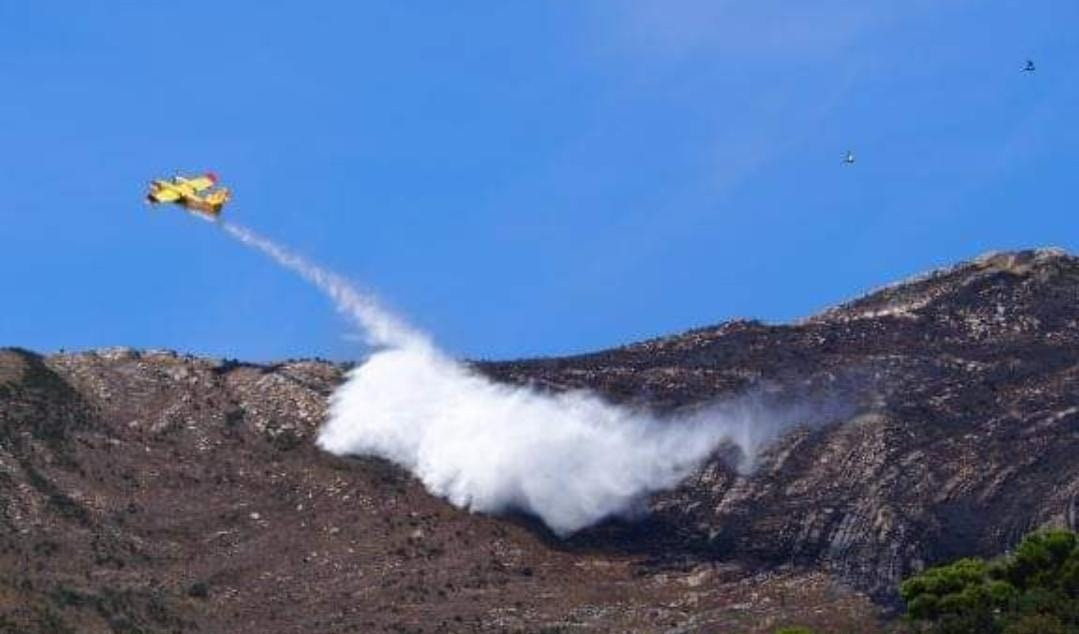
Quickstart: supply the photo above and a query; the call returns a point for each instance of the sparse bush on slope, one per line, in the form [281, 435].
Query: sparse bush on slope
[1033, 589]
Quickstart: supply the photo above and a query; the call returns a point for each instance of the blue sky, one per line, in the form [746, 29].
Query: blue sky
[526, 178]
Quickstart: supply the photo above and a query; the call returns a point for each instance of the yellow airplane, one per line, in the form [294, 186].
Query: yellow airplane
[185, 192]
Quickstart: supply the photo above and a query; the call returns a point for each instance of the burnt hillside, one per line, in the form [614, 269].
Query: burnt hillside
[962, 434]
[149, 491]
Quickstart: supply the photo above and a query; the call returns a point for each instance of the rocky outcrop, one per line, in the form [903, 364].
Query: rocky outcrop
[962, 432]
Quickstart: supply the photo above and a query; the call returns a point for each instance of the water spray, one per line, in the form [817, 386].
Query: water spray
[572, 459]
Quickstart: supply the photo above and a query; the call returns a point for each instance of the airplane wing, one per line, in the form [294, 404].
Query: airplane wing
[165, 195]
[205, 181]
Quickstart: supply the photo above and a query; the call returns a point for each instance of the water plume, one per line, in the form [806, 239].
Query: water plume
[571, 459]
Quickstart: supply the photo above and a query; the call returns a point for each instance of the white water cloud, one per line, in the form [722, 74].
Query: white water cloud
[571, 459]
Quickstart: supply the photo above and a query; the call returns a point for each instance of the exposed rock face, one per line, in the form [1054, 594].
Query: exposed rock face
[155, 492]
[964, 431]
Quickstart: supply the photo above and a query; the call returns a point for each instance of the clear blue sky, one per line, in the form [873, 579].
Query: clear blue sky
[519, 178]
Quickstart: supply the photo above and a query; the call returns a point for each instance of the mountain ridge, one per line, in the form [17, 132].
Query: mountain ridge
[144, 489]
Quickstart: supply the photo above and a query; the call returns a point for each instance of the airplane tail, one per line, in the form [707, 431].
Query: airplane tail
[219, 197]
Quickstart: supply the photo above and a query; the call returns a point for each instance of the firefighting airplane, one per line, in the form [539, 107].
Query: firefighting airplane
[186, 193]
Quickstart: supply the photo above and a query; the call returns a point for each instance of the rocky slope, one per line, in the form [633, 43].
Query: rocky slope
[156, 492]
[962, 431]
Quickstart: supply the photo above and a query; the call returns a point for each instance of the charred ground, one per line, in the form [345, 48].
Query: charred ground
[147, 491]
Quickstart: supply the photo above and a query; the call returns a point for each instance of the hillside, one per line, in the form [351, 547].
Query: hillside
[149, 491]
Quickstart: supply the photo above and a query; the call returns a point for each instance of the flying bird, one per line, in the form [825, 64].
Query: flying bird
[1029, 67]
[849, 158]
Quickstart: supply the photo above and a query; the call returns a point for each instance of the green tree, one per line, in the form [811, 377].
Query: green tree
[1036, 624]
[1033, 589]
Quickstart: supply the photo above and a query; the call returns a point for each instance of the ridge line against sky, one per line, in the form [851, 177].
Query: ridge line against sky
[519, 180]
